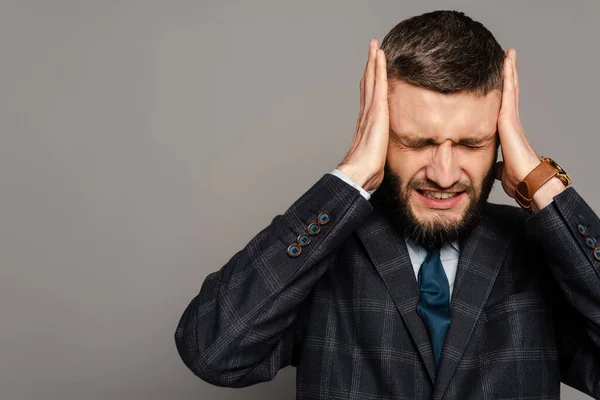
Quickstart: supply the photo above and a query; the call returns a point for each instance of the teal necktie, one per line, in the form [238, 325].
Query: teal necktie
[434, 300]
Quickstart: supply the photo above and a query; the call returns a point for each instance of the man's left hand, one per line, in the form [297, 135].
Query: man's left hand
[518, 155]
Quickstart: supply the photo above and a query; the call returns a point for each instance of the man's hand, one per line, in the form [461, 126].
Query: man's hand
[365, 160]
[518, 155]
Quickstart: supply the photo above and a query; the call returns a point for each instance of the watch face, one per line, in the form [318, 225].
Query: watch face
[562, 174]
[558, 166]
[555, 165]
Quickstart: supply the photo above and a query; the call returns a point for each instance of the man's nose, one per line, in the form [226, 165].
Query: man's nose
[444, 168]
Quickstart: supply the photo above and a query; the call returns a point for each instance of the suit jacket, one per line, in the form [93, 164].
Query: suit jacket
[525, 308]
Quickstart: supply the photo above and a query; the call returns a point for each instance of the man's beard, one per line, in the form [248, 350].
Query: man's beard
[433, 233]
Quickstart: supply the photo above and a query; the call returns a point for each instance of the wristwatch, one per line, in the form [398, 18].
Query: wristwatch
[541, 174]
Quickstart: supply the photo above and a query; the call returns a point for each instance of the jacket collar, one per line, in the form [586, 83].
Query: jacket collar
[481, 257]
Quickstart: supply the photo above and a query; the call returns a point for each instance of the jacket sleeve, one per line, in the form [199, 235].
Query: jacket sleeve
[247, 321]
[568, 232]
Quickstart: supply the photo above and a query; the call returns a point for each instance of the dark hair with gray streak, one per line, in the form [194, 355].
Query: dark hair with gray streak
[445, 51]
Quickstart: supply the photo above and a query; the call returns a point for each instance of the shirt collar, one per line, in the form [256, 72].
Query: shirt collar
[453, 244]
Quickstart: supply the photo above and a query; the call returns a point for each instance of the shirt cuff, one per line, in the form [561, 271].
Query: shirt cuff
[342, 176]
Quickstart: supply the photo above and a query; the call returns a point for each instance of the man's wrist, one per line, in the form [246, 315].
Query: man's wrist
[544, 195]
[355, 174]
[342, 176]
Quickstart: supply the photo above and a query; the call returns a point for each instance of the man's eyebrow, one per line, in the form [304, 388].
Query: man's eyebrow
[415, 141]
[475, 141]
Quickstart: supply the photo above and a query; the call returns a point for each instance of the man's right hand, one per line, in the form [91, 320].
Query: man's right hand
[365, 160]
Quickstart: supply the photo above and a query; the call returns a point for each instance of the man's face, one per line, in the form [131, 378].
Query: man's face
[441, 152]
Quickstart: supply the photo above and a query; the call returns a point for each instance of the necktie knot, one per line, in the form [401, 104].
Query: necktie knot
[432, 254]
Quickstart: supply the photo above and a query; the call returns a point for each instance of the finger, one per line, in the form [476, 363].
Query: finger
[498, 169]
[370, 73]
[381, 89]
[363, 90]
[508, 89]
[516, 78]
[362, 82]
[362, 103]
[361, 86]
[364, 86]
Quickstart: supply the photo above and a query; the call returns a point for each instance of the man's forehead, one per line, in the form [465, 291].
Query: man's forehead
[419, 111]
[404, 94]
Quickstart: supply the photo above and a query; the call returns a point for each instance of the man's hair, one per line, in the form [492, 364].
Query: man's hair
[444, 51]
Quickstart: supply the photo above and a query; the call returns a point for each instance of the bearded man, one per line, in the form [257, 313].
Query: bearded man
[393, 277]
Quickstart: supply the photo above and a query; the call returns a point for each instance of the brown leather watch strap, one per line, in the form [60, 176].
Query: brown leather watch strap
[532, 182]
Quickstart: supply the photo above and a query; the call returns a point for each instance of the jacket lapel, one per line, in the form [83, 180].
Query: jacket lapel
[387, 249]
[481, 256]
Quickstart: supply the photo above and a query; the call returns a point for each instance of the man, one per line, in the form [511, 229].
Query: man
[424, 290]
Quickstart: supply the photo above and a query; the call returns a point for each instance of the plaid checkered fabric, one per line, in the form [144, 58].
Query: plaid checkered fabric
[525, 307]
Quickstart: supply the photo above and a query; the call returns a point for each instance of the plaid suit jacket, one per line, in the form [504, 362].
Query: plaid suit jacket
[525, 307]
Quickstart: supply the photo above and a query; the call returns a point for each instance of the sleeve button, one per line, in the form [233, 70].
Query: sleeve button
[294, 250]
[323, 218]
[314, 228]
[303, 239]
[590, 241]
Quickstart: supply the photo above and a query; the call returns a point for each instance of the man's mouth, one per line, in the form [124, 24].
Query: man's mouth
[437, 200]
[438, 195]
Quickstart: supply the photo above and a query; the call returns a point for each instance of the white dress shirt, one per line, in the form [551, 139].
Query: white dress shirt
[449, 252]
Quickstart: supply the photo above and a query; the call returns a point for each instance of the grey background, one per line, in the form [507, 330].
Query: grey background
[144, 142]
